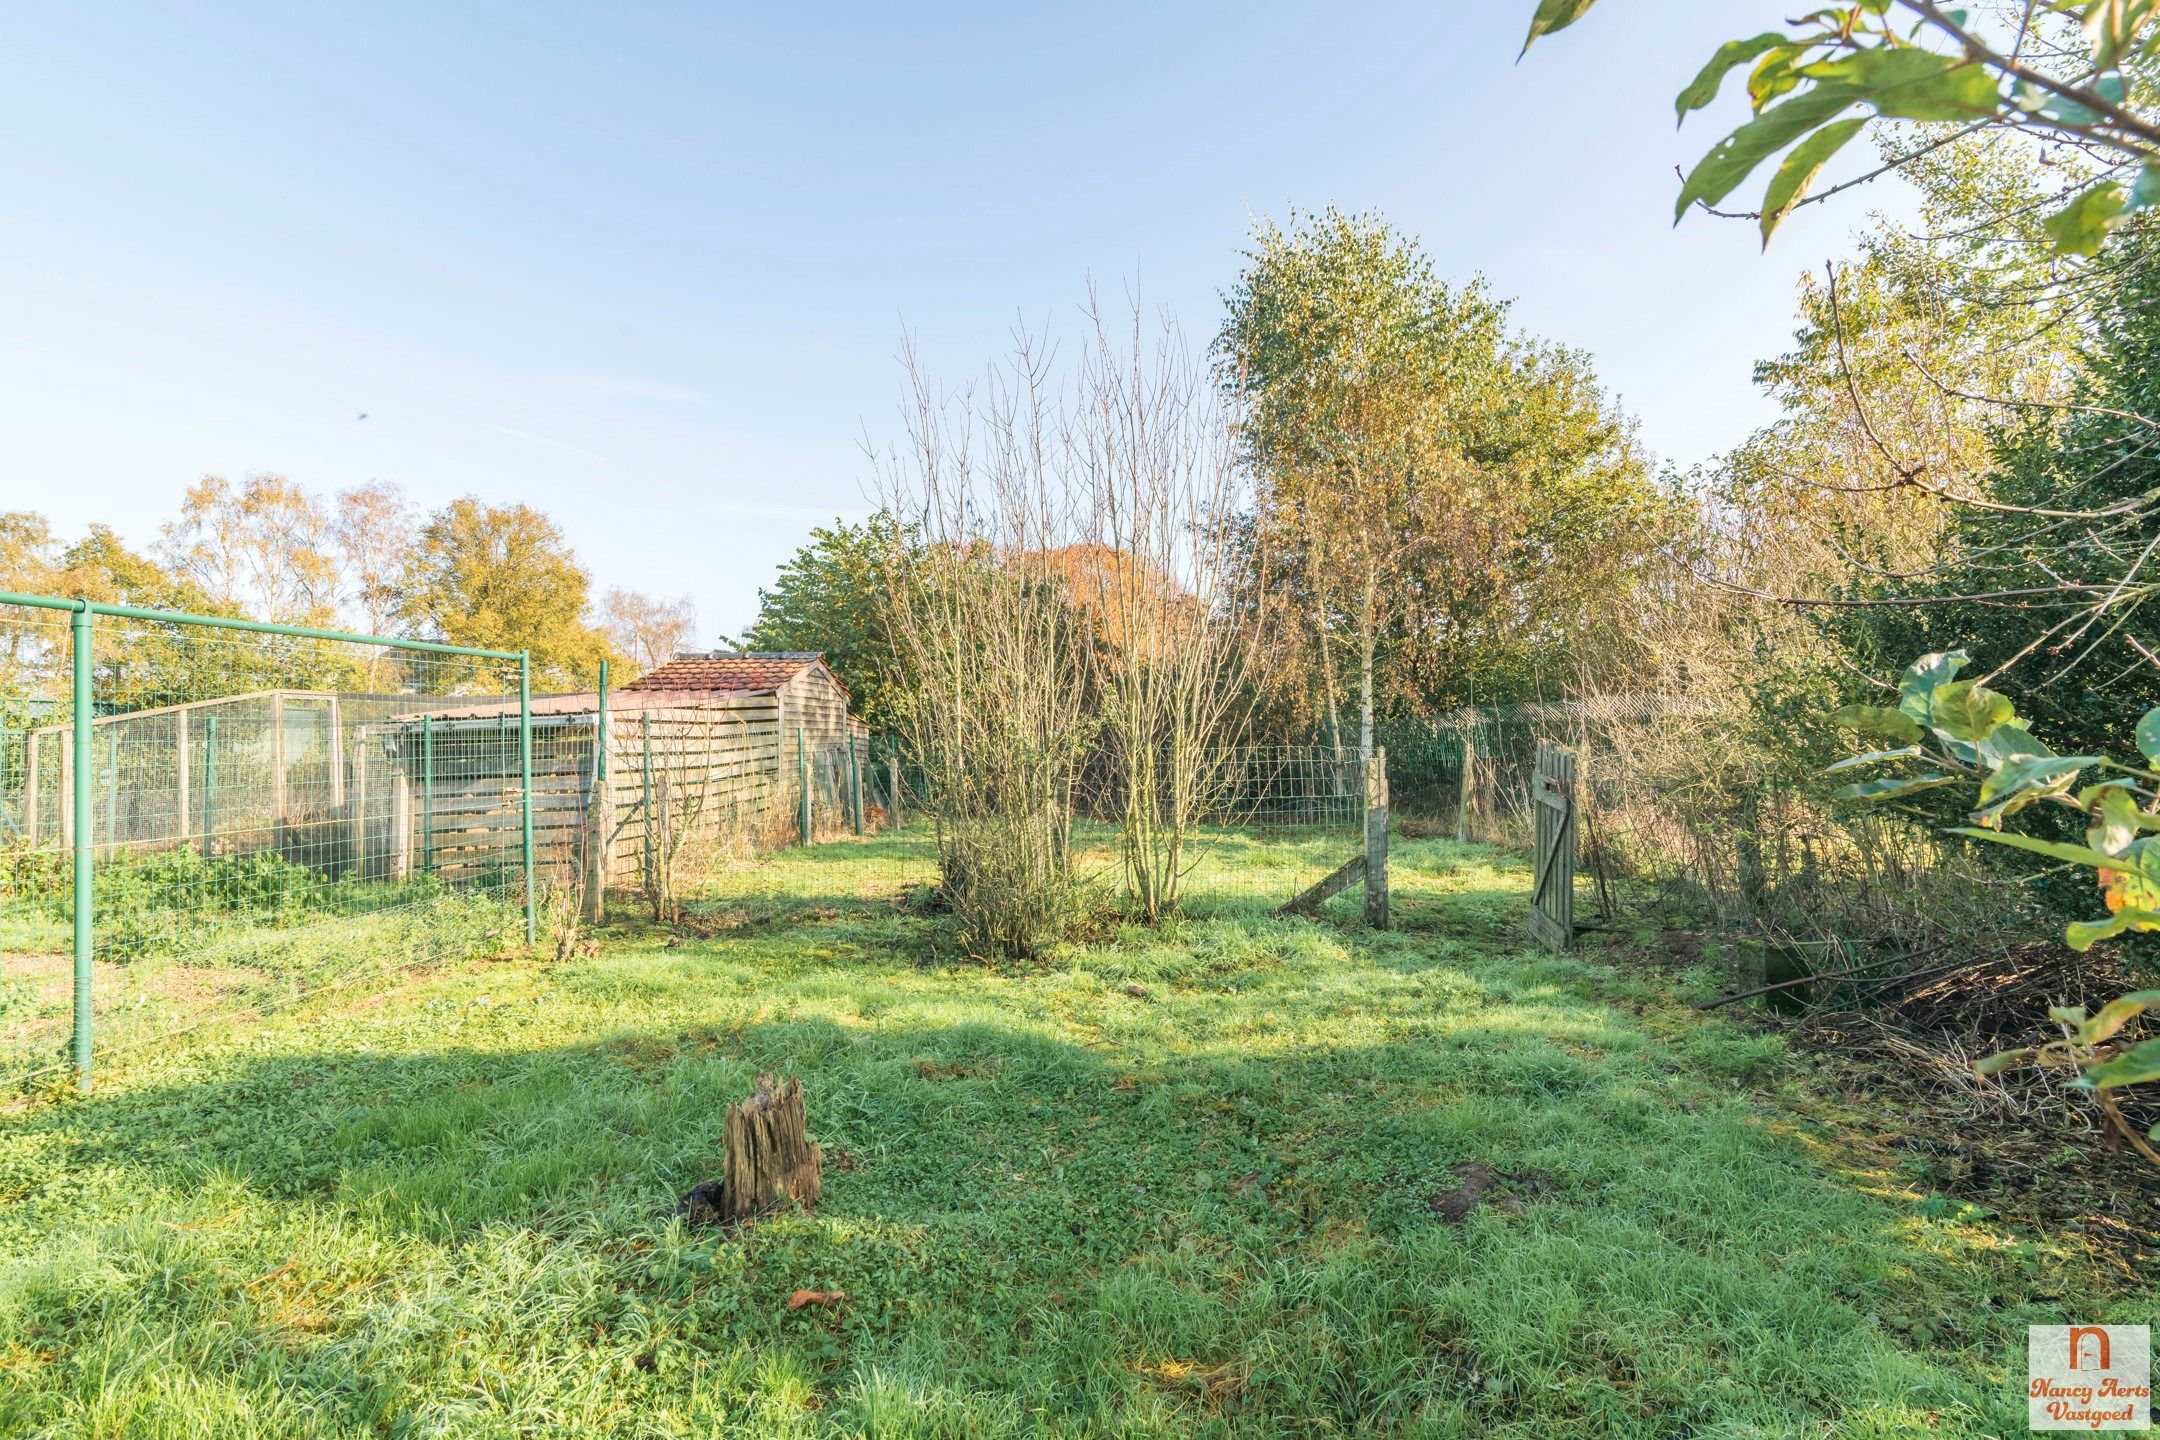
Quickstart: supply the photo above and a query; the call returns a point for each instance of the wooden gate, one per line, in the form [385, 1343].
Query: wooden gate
[1552, 897]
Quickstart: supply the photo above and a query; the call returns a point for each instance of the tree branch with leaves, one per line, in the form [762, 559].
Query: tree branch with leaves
[1816, 85]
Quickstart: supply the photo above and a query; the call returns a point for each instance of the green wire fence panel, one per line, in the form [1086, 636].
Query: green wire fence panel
[1276, 820]
[260, 813]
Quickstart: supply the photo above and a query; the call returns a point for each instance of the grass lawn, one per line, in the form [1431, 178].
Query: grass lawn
[1210, 1180]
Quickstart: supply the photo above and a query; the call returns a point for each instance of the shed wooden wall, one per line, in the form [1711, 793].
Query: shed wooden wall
[730, 747]
[815, 726]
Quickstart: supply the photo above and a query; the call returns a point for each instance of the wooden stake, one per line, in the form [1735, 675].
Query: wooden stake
[1466, 786]
[1376, 808]
[1342, 878]
[277, 757]
[359, 803]
[30, 788]
[181, 813]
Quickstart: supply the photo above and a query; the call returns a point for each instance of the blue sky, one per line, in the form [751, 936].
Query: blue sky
[648, 267]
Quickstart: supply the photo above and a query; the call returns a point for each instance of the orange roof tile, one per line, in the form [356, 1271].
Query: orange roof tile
[746, 674]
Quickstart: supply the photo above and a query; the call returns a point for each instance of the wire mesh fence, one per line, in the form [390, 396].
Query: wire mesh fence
[1279, 819]
[1681, 808]
[238, 818]
[1474, 773]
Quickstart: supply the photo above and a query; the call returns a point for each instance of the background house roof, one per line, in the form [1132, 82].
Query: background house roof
[751, 672]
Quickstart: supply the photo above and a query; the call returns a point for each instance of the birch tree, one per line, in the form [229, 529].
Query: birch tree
[1363, 378]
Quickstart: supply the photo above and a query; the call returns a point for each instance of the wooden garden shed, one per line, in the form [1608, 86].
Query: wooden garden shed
[745, 728]
[795, 692]
[807, 698]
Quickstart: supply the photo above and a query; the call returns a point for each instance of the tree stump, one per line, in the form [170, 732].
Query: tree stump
[771, 1161]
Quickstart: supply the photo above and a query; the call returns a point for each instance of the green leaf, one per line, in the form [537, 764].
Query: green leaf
[1704, 87]
[1891, 789]
[1878, 720]
[2148, 736]
[2111, 25]
[2146, 193]
[1904, 82]
[2011, 741]
[1734, 158]
[2082, 226]
[2135, 1066]
[2114, 824]
[2034, 100]
[2084, 934]
[1924, 677]
[1805, 161]
[2053, 849]
[2118, 1013]
[2025, 779]
[1997, 1063]
[1777, 73]
[1553, 15]
[1967, 710]
[2143, 857]
[1873, 758]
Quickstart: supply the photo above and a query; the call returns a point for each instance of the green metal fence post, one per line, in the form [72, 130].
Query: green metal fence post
[427, 793]
[600, 730]
[854, 780]
[79, 637]
[209, 782]
[645, 813]
[532, 918]
[599, 817]
[802, 776]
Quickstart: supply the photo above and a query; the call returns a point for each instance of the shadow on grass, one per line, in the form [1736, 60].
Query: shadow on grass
[1191, 1182]
[1049, 1227]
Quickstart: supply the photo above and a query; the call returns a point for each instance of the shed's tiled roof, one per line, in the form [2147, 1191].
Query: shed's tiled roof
[746, 674]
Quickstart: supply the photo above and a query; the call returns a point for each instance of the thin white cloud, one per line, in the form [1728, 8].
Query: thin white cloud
[553, 444]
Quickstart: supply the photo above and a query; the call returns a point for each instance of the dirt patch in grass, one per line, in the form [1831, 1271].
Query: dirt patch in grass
[1424, 828]
[1219, 1388]
[702, 924]
[1479, 1184]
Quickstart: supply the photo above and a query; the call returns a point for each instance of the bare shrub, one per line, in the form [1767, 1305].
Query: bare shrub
[1060, 623]
[990, 650]
[1156, 461]
[706, 802]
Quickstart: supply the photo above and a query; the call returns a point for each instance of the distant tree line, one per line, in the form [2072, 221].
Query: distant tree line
[489, 576]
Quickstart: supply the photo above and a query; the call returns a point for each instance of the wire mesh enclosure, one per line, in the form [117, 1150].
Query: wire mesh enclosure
[1477, 771]
[1267, 822]
[203, 818]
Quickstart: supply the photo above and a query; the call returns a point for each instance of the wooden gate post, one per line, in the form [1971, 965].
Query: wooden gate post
[599, 813]
[359, 803]
[1376, 808]
[181, 812]
[854, 780]
[892, 769]
[30, 788]
[1465, 787]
